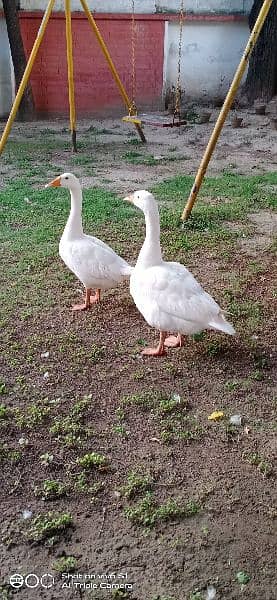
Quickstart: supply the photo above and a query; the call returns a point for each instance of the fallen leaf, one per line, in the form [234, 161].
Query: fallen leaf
[216, 415]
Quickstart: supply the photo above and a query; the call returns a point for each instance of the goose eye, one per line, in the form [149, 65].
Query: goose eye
[66, 177]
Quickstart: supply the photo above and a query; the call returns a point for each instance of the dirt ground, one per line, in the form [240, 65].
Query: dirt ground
[249, 149]
[227, 473]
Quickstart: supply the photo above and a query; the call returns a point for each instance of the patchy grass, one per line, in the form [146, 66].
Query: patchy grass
[136, 484]
[49, 525]
[65, 564]
[169, 415]
[10, 455]
[147, 512]
[93, 459]
[50, 490]
[263, 465]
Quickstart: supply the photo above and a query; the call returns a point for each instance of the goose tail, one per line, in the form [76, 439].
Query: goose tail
[126, 271]
[221, 324]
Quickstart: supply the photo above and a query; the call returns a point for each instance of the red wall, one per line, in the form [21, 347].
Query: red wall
[94, 86]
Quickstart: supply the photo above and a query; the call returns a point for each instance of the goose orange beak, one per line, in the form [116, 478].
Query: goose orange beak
[129, 198]
[55, 183]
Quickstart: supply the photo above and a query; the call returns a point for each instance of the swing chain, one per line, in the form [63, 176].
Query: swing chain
[177, 109]
[132, 108]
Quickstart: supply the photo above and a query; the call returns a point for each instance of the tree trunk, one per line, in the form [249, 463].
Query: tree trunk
[26, 109]
[261, 81]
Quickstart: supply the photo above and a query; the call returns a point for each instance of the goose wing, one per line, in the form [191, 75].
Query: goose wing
[176, 292]
[94, 259]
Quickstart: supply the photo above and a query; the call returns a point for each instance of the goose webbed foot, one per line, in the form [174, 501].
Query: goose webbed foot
[89, 300]
[159, 350]
[174, 341]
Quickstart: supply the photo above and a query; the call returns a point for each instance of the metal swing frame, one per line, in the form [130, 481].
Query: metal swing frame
[225, 108]
[70, 70]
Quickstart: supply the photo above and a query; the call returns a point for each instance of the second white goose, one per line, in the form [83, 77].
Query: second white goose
[166, 293]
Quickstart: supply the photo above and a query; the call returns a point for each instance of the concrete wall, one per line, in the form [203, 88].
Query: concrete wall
[206, 6]
[6, 87]
[210, 55]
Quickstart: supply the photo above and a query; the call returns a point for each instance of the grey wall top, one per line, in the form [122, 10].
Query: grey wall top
[113, 6]
[148, 6]
[206, 6]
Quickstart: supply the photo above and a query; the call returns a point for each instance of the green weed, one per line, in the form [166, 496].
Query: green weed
[65, 564]
[93, 459]
[49, 525]
[50, 490]
[263, 465]
[136, 484]
[9, 454]
[147, 512]
[4, 412]
[81, 484]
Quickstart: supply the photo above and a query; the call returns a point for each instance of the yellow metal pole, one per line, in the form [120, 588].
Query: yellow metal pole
[70, 72]
[26, 75]
[112, 68]
[225, 108]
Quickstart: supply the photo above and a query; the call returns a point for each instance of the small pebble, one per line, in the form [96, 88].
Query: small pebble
[176, 397]
[27, 514]
[44, 355]
[236, 420]
[46, 375]
[211, 592]
[23, 441]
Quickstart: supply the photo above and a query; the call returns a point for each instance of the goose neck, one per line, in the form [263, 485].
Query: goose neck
[150, 254]
[74, 225]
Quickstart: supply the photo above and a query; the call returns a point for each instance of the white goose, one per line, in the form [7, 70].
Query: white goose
[166, 293]
[96, 265]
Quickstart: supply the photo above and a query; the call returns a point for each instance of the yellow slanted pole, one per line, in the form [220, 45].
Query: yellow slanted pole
[111, 65]
[226, 107]
[70, 73]
[26, 74]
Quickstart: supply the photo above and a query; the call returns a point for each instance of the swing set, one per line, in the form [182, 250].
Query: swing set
[137, 121]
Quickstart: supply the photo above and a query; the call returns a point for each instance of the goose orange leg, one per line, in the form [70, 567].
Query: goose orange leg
[160, 350]
[96, 298]
[174, 341]
[89, 300]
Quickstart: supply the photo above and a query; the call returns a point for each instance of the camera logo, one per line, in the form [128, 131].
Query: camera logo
[32, 581]
[16, 581]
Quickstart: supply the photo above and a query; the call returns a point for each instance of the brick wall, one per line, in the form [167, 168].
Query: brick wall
[94, 87]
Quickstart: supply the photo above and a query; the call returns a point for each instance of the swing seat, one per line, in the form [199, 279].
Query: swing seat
[154, 120]
[132, 119]
[157, 120]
